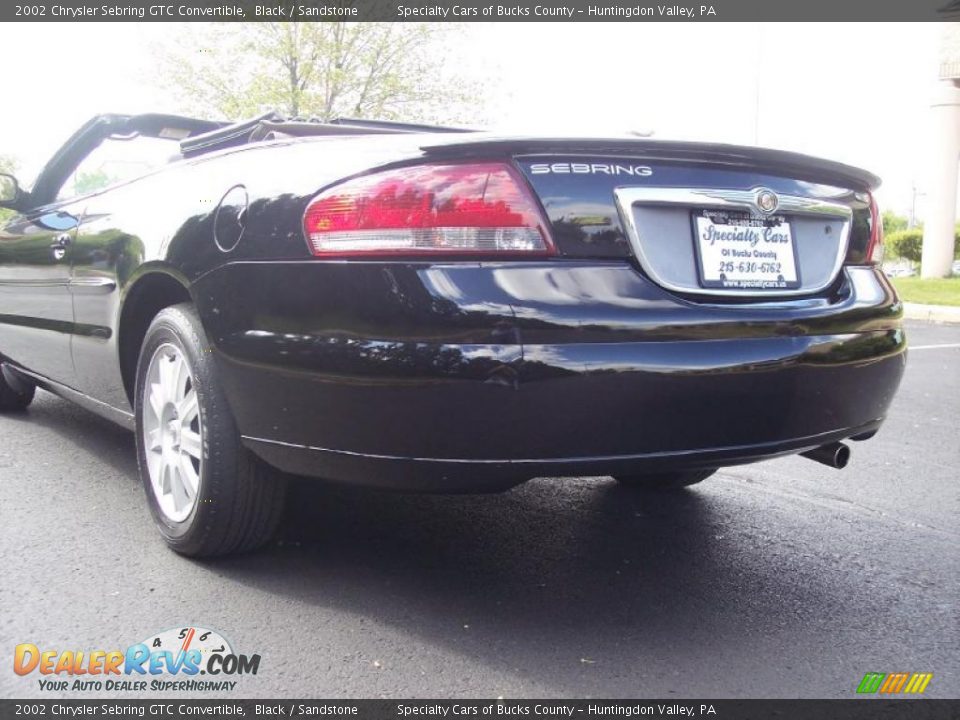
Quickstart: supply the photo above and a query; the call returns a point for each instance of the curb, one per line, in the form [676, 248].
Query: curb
[932, 313]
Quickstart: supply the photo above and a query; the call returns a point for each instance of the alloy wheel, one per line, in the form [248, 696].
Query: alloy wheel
[172, 433]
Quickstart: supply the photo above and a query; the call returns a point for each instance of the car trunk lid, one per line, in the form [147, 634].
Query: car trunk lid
[699, 219]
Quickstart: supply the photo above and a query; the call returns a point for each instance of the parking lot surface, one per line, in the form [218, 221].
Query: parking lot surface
[780, 579]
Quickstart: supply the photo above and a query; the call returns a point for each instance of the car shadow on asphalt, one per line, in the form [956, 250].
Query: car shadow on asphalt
[82, 433]
[556, 580]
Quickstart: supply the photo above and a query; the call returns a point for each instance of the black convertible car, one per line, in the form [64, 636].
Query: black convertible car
[439, 310]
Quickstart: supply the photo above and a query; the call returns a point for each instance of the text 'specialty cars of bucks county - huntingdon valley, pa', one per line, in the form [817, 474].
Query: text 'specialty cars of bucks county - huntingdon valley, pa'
[436, 310]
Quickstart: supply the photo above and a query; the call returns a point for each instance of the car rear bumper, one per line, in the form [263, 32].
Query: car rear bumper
[473, 377]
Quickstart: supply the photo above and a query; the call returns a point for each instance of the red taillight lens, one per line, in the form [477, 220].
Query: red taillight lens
[874, 252]
[482, 208]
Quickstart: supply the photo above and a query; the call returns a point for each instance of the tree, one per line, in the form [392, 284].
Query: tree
[319, 69]
[905, 244]
[908, 244]
[893, 223]
[7, 165]
[87, 182]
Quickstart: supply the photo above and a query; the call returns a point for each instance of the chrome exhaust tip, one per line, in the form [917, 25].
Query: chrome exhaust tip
[835, 455]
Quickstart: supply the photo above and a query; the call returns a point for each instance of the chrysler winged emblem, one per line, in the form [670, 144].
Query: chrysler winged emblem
[766, 201]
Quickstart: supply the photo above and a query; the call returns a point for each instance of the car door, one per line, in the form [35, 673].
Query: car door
[120, 220]
[105, 254]
[36, 307]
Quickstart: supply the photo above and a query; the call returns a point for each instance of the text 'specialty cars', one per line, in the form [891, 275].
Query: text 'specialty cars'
[435, 310]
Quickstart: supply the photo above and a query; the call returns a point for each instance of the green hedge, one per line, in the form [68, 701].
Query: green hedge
[907, 244]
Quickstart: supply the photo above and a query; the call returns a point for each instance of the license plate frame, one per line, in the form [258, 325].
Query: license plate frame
[765, 227]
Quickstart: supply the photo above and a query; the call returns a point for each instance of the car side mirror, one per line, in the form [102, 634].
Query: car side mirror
[10, 192]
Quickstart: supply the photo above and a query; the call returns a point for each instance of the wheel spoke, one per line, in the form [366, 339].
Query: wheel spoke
[156, 400]
[189, 477]
[177, 489]
[190, 443]
[166, 371]
[188, 408]
[154, 441]
[180, 376]
[155, 468]
[165, 482]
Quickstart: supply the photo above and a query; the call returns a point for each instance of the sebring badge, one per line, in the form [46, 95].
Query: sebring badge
[581, 168]
[766, 201]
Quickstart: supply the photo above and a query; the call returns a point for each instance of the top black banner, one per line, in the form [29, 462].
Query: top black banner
[477, 11]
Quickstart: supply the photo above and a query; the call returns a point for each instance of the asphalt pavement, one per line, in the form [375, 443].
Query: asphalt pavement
[780, 579]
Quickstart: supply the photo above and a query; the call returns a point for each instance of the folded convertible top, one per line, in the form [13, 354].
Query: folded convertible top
[271, 125]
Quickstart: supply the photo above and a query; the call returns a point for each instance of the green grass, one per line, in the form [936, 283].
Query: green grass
[940, 291]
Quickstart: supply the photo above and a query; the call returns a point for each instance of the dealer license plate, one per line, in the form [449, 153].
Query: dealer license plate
[737, 250]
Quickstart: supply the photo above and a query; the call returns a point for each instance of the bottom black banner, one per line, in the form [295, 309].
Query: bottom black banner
[858, 709]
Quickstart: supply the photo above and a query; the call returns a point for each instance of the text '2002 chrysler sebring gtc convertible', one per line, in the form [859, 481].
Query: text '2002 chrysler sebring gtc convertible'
[430, 309]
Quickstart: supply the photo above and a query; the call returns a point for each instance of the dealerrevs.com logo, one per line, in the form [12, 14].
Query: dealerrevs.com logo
[172, 660]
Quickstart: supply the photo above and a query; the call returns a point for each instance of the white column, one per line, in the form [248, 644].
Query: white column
[941, 214]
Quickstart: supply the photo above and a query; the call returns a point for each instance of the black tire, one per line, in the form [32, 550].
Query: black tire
[665, 480]
[15, 398]
[239, 499]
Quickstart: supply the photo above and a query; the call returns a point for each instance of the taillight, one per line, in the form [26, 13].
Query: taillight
[874, 252]
[427, 209]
